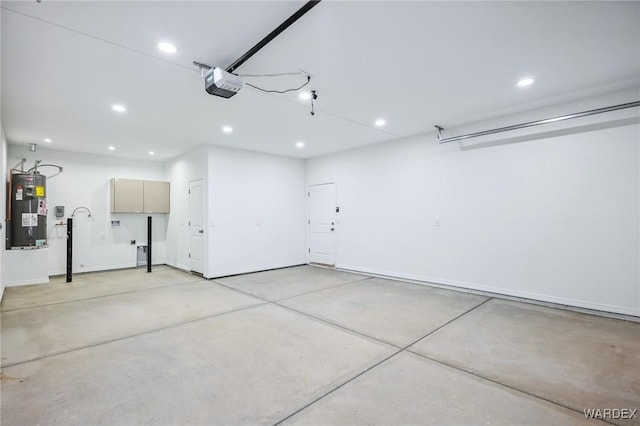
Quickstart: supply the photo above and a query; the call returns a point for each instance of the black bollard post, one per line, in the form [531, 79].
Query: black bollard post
[148, 243]
[69, 248]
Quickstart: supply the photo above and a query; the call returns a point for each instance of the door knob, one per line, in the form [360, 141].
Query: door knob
[201, 231]
[332, 229]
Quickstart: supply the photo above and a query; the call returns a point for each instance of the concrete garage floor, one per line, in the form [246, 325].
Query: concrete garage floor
[302, 346]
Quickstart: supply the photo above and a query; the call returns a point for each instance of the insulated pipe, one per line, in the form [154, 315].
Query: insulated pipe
[535, 123]
[273, 34]
[10, 199]
[35, 167]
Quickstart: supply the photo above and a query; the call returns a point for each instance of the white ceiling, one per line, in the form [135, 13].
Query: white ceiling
[415, 64]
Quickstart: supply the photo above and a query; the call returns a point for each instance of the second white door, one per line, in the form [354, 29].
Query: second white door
[322, 217]
[196, 226]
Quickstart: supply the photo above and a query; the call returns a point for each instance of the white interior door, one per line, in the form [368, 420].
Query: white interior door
[322, 217]
[196, 226]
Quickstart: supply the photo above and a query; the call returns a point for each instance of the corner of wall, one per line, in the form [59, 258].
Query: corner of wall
[180, 171]
[3, 209]
[3, 197]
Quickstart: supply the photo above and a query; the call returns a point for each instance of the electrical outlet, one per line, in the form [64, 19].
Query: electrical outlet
[437, 221]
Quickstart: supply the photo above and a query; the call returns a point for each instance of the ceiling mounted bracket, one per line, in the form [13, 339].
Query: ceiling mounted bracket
[202, 67]
[440, 130]
[314, 96]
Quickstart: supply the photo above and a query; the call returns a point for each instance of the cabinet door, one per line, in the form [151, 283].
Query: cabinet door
[156, 197]
[126, 196]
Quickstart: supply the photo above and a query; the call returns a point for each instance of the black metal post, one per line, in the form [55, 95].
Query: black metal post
[148, 243]
[69, 248]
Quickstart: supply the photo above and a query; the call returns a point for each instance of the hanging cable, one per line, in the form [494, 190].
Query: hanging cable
[204, 68]
[274, 75]
[280, 91]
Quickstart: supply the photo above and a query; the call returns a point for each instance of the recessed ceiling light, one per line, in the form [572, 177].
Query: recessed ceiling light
[47, 140]
[167, 47]
[227, 129]
[525, 82]
[111, 148]
[118, 108]
[380, 122]
[305, 95]
[152, 153]
[300, 144]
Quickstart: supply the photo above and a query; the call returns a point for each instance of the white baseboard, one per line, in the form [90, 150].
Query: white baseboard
[228, 272]
[41, 280]
[185, 268]
[94, 269]
[466, 286]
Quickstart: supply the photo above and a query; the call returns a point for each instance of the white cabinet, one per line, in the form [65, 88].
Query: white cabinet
[155, 197]
[139, 196]
[126, 196]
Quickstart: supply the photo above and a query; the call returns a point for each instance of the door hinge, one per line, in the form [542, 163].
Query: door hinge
[189, 223]
[189, 191]
[308, 250]
[309, 222]
[308, 194]
[189, 255]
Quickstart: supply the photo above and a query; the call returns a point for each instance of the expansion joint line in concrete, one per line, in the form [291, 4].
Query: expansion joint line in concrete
[53, 354]
[99, 297]
[288, 297]
[311, 317]
[401, 349]
[323, 289]
[330, 323]
[406, 348]
[131, 336]
[524, 392]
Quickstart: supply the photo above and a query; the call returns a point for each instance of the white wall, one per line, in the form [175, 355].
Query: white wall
[3, 195]
[257, 216]
[85, 182]
[553, 217]
[180, 171]
[255, 210]
[3, 209]
[550, 214]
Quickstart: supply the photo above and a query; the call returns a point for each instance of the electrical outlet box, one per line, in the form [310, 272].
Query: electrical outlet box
[59, 211]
